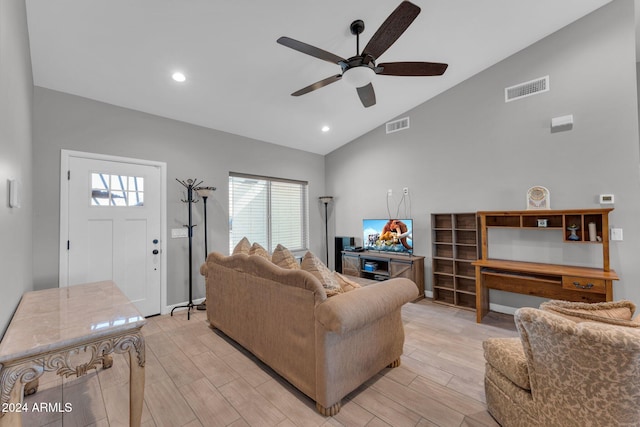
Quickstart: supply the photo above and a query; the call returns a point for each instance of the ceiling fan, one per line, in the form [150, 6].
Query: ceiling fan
[358, 70]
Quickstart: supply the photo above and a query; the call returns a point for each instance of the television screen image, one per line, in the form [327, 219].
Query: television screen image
[388, 235]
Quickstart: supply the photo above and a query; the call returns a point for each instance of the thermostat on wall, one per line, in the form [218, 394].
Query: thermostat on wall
[606, 199]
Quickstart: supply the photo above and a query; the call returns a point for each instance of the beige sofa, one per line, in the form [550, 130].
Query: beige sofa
[325, 347]
[570, 367]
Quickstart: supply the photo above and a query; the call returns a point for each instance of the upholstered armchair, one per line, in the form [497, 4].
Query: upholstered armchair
[571, 366]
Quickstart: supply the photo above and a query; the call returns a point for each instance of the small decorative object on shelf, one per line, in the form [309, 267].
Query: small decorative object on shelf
[542, 222]
[593, 234]
[573, 236]
[538, 198]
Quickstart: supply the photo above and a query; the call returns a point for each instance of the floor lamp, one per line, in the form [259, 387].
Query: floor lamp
[205, 193]
[190, 185]
[326, 200]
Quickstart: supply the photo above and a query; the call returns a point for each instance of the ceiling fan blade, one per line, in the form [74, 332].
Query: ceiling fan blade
[367, 95]
[310, 50]
[391, 29]
[317, 85]
[412, 69]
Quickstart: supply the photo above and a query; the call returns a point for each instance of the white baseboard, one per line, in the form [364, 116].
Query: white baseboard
[502, 309]
[168, 308]
[492, 307]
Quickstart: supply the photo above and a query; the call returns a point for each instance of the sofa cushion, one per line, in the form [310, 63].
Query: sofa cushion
[507, 356]
[242, 247]
[282, 257]
[345, 283]
[615, 313]
[257, 249]
[313, 265]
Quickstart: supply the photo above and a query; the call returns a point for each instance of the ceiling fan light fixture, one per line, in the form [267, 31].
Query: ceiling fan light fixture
[358, 76]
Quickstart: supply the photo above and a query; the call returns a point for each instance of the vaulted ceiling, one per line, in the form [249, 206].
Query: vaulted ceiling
[239, 80]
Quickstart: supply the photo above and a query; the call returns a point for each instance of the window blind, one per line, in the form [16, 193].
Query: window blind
[268, 211]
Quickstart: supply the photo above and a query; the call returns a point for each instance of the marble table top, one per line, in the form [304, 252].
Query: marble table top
[54, 318]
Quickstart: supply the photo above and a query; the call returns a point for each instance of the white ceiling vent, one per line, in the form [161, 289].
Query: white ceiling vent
[397, 125]
[522, 90]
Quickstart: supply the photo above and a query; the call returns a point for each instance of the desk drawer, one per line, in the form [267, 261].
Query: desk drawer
[584, 284]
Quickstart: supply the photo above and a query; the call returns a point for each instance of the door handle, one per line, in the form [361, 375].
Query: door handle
[155, 252]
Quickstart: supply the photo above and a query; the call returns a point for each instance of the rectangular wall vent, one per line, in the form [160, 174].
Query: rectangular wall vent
[397, 125]
[522, 90]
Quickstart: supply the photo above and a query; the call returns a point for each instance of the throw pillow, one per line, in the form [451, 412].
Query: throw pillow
[313, 265]
[257, 249]
[282, 257]
[345, 283]
[242, 247]
[616, 313]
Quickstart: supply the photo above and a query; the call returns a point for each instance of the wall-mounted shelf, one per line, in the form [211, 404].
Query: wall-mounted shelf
[545, 280]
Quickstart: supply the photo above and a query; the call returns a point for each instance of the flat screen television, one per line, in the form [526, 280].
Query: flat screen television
[388, 235]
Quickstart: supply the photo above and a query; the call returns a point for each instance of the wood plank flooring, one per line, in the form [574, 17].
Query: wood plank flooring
[195, 376]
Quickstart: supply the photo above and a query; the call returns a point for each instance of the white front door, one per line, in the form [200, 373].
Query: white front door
[114, 228]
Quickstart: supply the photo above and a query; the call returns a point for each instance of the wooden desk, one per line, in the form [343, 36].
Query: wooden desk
[70, 330]
[543, 280]
[546, 280]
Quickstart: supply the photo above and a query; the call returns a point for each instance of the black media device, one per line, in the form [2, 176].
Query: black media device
[342, 244]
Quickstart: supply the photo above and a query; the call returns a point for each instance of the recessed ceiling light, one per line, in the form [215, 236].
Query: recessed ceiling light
[325, 129]
[178, 76]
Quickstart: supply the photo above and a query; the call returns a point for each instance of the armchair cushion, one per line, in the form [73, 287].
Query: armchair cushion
[616, 313]
[507, 357]
[581, 373]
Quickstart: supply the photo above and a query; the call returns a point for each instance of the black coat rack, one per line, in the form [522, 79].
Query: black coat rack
[190, 185]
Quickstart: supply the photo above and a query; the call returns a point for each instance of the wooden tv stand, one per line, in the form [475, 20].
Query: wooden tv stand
[552, 281]
[389, 266]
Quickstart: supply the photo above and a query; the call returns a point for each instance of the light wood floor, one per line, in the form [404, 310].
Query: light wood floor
[197, 377]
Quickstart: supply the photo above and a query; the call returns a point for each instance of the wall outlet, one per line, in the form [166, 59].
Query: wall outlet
[405, 191]
[389, 193]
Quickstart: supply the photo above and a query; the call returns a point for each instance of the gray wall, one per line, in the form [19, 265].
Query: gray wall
[16, 91]
[63, 121]
[468, 150]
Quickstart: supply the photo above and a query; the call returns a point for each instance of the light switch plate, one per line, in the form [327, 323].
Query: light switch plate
[178, 233]
[616, 234]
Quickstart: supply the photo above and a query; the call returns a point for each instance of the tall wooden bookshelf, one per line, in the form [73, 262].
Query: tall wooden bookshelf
[454, 238]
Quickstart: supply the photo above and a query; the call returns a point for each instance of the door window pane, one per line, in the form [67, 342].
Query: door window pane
[116, 190]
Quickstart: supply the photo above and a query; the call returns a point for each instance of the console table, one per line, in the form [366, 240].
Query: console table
[70, 330]
[552, 281]
[388, 266]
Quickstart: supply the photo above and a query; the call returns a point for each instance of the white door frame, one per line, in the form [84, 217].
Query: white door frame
[65, 155]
